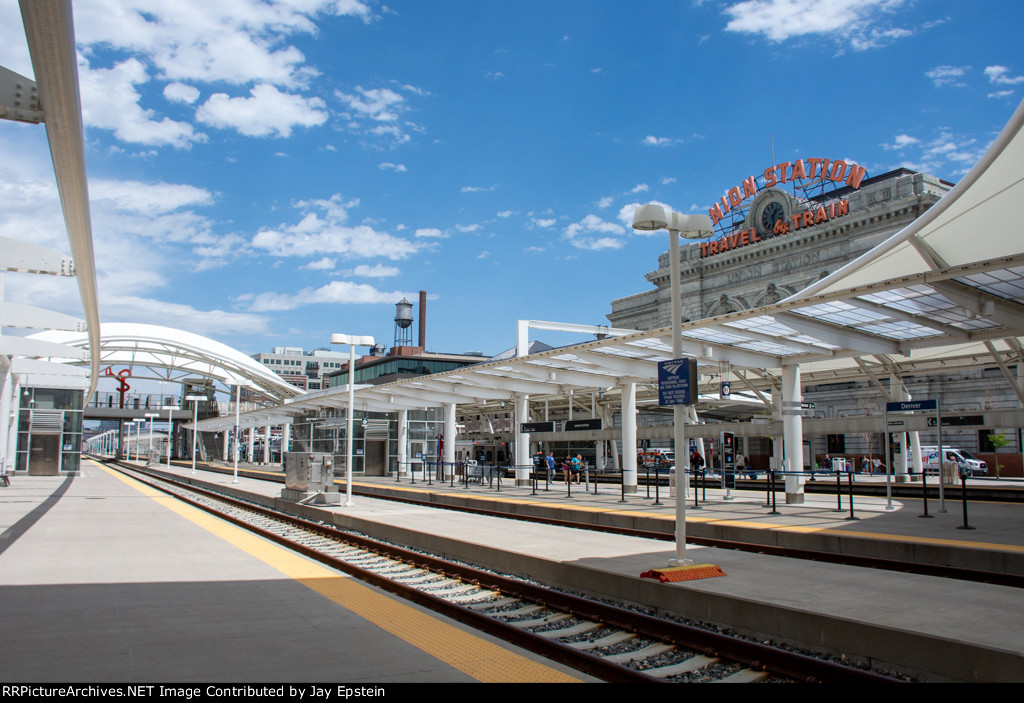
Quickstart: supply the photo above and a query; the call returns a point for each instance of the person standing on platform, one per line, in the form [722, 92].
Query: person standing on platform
[696, 461]
[550, 464]
[577, 463]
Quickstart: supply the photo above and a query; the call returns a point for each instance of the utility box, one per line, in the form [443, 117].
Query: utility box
[309, 478]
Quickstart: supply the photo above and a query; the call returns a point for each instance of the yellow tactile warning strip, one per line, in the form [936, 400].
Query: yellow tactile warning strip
[477, 657]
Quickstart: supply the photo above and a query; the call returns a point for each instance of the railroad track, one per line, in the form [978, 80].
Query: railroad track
[608, 642]
[920, 568]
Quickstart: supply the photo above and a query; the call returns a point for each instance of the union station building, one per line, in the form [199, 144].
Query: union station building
[775, 241]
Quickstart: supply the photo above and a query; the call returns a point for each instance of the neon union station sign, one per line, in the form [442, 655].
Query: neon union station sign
[772, 211]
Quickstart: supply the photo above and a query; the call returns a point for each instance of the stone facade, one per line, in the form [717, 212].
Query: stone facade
[763, 272]
[768, 271]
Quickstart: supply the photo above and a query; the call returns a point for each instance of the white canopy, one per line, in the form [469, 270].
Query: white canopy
[178, 352]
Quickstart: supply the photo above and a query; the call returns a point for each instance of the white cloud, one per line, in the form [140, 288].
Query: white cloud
[323, 264]
[544, 222]
[997, 75]
[651, 140]
[431, 233]
[478, 189]
[182, 43]
[335, 292]
[668, 180]
[214, 323]
[579, 233]
[640, 188]
[322, 230]
[388, 166]
[605, 202]
[376, 271]
[379, 111]
[110, 101]
[466, 229]
[181, 93]
[947, 75]
[857, 22]
[901, 141]
[236, 42]
[948, 147]
[267, 111]
[483, 255]
[506, 214]
[378, 104]
[945, 154]
[143, 233]
[1000, 94]
[148, 198]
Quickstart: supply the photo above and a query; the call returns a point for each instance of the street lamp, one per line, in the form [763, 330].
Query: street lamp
[149, 448]
[195, 420]
[648, 218]
[352, 341]
[238, 401]
[138, 437]
[170, 429]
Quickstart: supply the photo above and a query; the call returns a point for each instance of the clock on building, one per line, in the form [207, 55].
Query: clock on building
[768, 207]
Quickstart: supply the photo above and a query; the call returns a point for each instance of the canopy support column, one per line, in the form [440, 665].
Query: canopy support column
[899, 392]
[403, 441]
[449, 439]
[522, 458]
[629, 437]
[793, 433]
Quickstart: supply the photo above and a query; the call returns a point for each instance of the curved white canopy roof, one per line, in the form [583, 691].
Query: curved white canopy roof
[156, 347]
[978, 219]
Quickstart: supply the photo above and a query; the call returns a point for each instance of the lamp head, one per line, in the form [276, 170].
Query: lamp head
[650, 217]
[357, 340]
[691, 226]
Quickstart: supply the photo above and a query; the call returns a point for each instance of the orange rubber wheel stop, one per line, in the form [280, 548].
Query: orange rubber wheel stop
[684, 573]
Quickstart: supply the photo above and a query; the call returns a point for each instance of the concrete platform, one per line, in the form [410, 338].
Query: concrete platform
[102, 580]
[934, 628]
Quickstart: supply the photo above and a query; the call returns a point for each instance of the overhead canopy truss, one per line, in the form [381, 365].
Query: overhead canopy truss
[174, 355]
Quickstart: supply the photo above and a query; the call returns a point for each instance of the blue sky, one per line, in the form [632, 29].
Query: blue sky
[268, 173]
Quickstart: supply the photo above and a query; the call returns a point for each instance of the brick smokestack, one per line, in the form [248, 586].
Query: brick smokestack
[423, 320]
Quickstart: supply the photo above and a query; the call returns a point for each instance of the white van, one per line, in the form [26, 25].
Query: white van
[662, 458]
[967, 462]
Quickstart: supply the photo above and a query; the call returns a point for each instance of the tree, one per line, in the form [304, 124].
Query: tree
[998, 441]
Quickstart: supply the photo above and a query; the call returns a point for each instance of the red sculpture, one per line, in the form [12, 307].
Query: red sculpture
[121, 376]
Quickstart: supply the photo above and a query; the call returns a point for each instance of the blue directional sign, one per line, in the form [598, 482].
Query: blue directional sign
[677, 382]
[906, 405]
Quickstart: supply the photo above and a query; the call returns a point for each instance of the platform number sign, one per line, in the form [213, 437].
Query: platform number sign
[677, 382]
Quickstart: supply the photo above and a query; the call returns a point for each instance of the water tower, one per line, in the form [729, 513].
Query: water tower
[403, 323]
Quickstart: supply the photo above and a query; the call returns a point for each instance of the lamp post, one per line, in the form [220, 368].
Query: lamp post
[648, 218]
[352, 341]
[138, 436]
[238, 440]
[195, 399]
[170, 429]
[149, 447]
